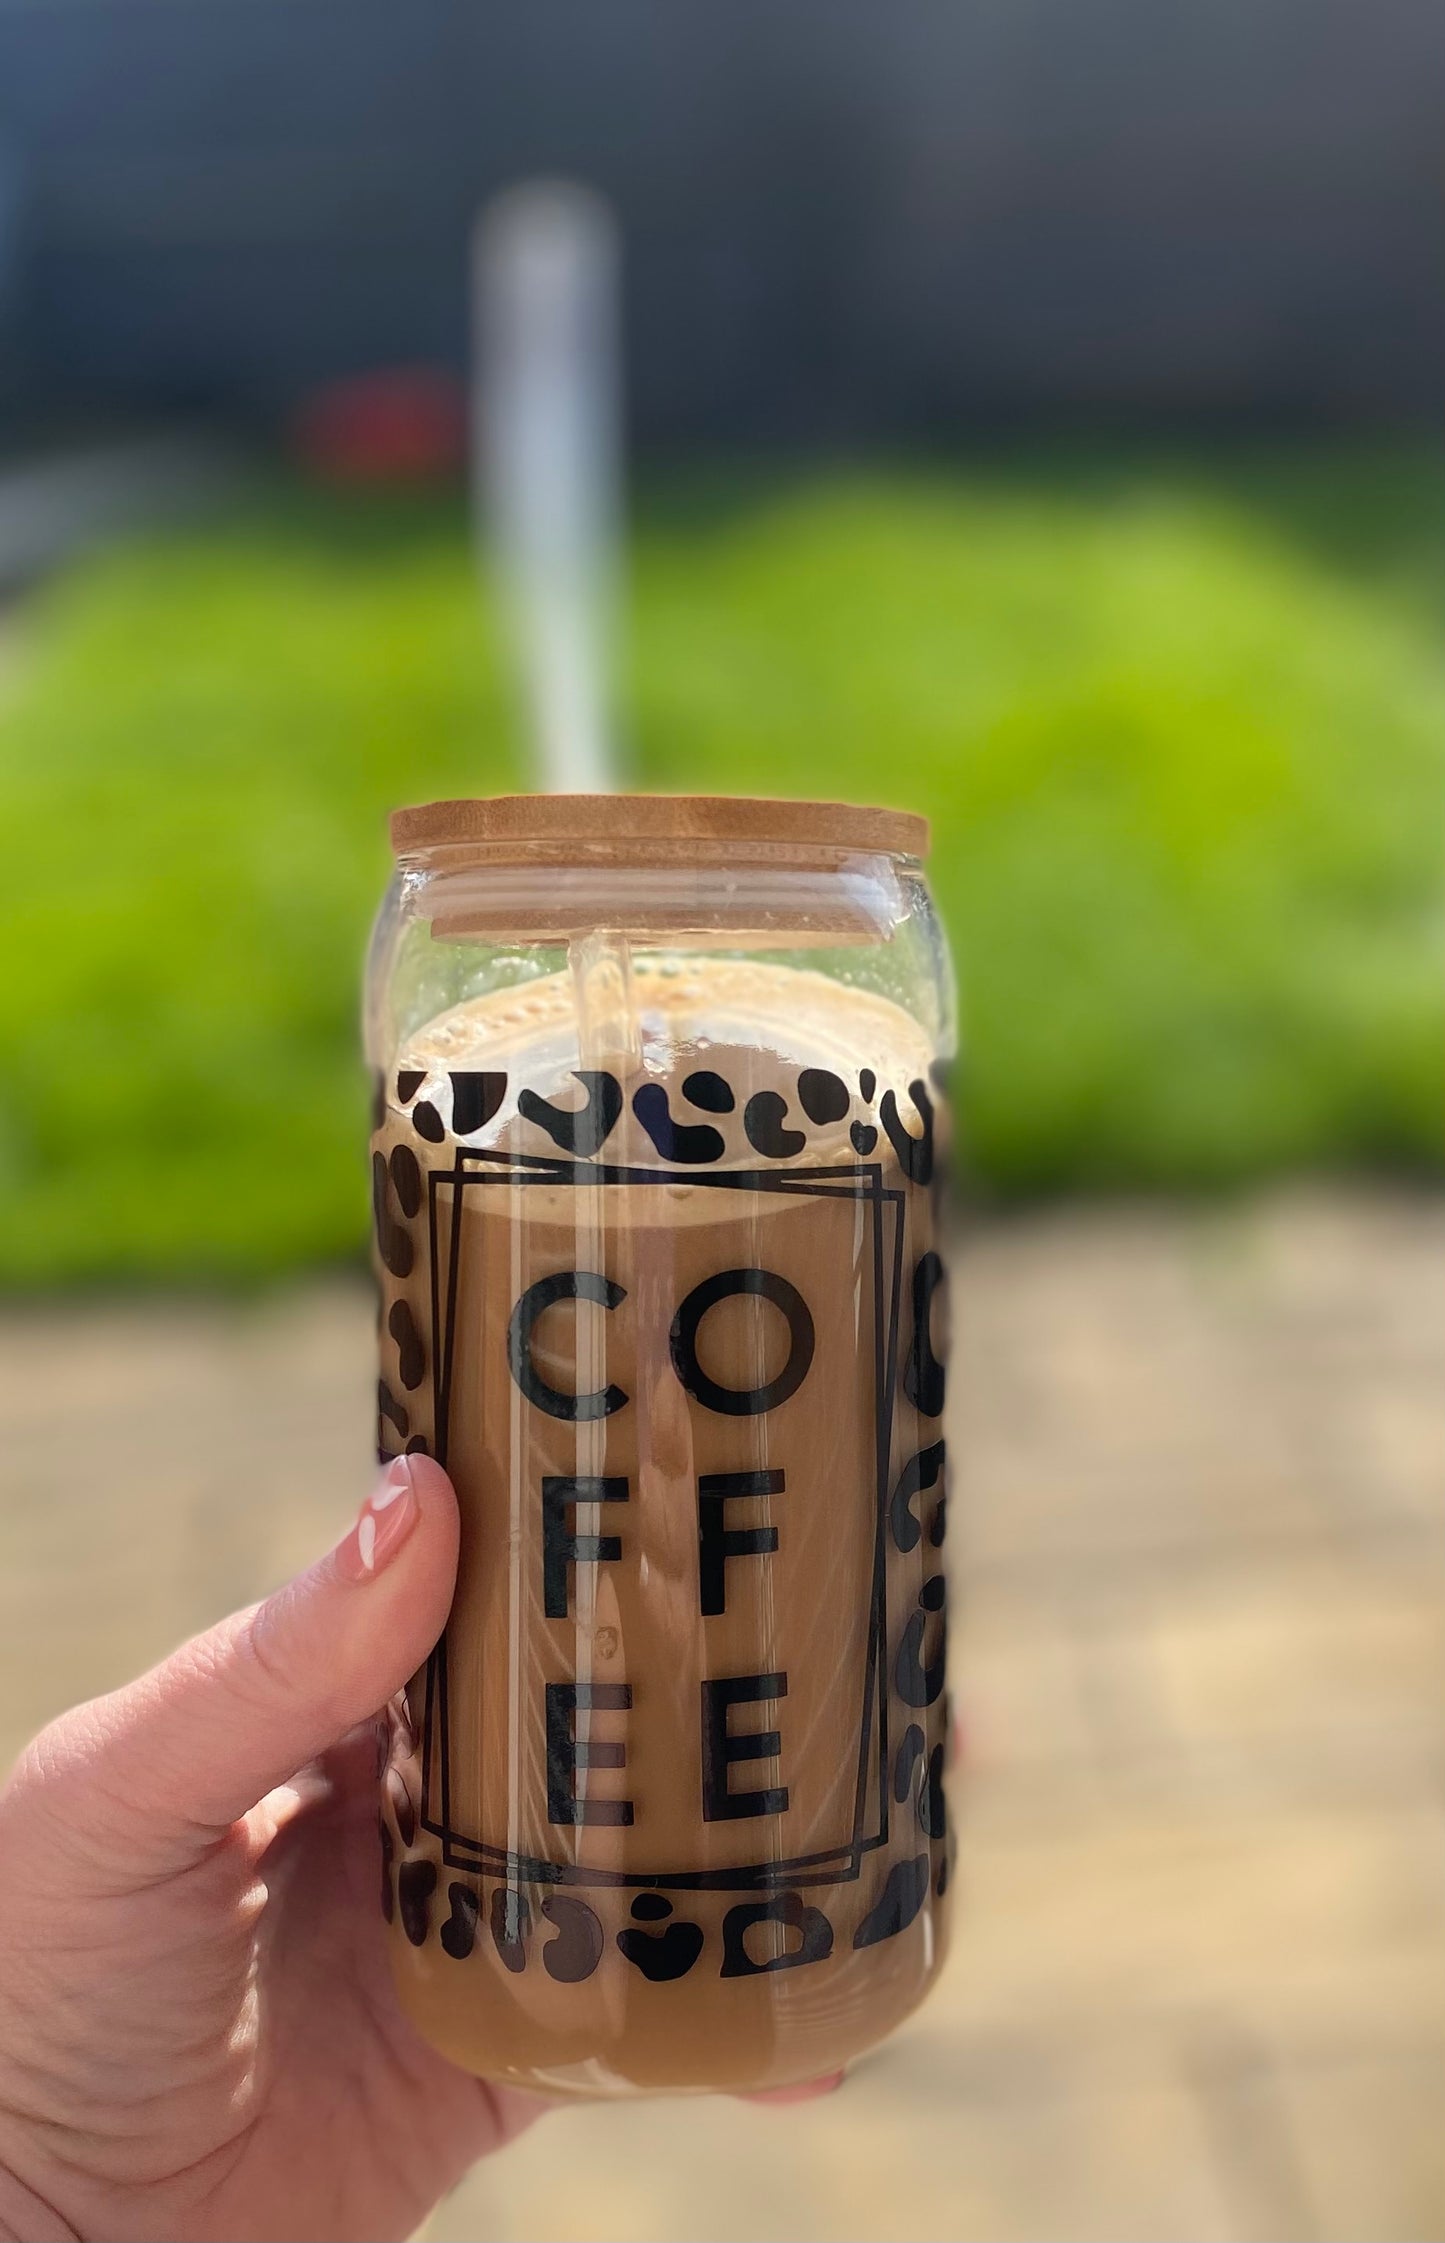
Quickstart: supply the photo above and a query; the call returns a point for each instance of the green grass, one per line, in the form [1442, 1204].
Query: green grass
[1181, 730]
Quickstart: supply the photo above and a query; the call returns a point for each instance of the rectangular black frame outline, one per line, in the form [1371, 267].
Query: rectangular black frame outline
[861, 1183]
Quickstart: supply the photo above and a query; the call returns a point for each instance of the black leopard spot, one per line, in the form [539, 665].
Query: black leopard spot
[932, 1805]
[922, 1471]
[410, 1354]
[897, 1904]
[415, 1884]
[708, 1092]
[915, 1154]
[391, 1409]
[577, 1950]
[910, 1752]
[406, 1179]
[692, 1143]
[916, 1684]
[475, 1099]
[764, 1119]
[923, 1374]
[664, 1955]
[459, 1932]
[586, 1131]
[824, 1098]
[815, 1935]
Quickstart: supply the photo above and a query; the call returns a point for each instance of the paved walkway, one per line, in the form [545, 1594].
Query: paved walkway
[1200, 1985]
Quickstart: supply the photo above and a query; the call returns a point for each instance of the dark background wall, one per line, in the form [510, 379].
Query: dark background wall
[842, 220]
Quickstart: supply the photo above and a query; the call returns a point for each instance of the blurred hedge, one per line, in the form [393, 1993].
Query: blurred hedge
[1181, 732]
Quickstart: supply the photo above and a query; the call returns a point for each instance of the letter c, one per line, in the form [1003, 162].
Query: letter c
[565, 1285]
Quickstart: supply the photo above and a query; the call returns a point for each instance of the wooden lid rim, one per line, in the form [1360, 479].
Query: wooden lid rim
[524, 818]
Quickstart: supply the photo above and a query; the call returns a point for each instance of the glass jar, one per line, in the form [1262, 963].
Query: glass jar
[656, 1181]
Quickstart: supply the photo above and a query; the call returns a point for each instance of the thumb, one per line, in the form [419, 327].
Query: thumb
[177, 1757]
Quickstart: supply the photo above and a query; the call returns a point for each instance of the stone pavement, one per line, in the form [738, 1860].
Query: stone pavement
[1199, 1984]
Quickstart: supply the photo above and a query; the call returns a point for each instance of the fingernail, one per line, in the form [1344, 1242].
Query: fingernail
[807, 2091]
[385, 1520]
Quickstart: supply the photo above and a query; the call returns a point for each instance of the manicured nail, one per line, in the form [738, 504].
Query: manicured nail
[807, 2092]
[386, 1519]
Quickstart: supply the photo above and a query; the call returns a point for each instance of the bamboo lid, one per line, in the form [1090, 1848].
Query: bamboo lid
[518, 821]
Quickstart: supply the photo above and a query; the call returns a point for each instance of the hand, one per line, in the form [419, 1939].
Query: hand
[198, 2035]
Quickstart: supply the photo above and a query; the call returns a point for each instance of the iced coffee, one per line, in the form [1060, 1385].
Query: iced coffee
[655, 1172]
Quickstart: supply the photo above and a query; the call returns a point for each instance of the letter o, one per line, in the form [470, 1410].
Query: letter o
[747, 1401]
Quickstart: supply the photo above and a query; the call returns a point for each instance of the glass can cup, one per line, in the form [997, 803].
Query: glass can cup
[656, 1174]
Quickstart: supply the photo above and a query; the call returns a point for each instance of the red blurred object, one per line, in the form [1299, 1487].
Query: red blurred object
[405, 424]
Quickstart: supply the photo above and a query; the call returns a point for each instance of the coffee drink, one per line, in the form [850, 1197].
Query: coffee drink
[660, 1287]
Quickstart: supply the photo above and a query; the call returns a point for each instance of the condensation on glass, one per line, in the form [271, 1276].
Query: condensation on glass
[656, 1171]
